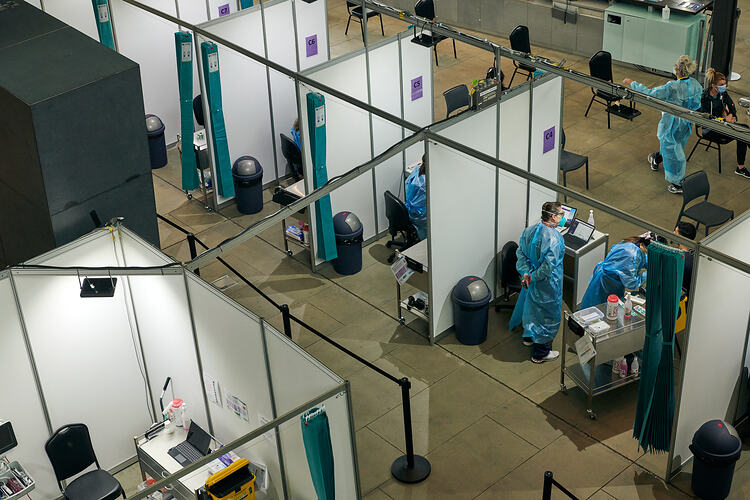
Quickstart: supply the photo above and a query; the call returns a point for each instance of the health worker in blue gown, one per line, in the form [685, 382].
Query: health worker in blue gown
[416, 198]
[624, 268]
[673, 132]
[540, 264]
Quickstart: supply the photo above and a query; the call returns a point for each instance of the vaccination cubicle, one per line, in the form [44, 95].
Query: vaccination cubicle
[103, 361]
[488, 207]
[395, 67]
[712, 381]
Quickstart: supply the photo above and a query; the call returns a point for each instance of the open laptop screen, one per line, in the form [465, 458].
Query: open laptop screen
[581, 230]
[199, 438]
[570, 214]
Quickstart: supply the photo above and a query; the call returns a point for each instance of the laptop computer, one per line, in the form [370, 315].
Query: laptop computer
[570, 214]
[578, 235]
[195, 447]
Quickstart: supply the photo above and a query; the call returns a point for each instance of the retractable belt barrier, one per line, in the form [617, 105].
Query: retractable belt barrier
[183, 42]
[210, 59]
[316, 124]
[103, 23]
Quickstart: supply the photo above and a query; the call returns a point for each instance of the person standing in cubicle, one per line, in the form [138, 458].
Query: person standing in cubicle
[624, 268]
[295, 133]
[540, 264]
[673, 132]
[416, 198]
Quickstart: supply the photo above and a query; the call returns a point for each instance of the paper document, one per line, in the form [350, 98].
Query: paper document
[401, 271]
[585, 349]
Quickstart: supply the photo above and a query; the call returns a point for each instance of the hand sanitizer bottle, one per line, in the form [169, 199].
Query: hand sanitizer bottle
[628, 305]
[591, 217]
[665, 13]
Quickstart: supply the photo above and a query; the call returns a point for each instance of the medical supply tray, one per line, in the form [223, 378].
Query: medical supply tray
[4, 476]
[236, 482]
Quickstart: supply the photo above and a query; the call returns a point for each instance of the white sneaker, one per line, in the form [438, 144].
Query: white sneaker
[652, 162]
[674, 189]
[527, 343]
[551, 356]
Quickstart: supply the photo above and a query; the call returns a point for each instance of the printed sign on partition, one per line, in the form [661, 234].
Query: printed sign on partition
[311, 45]
[223, 10]
[549, 140]
[416, 88]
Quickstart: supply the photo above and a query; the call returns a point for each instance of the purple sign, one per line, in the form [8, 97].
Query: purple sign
[223, 9]
[549, 140]
[416, 88]
[311, 45]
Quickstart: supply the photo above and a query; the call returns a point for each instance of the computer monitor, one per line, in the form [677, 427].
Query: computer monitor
[570, 214]
[425, 8]
[7, 438]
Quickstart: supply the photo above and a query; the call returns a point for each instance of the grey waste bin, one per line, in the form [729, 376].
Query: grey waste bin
[716, 448]
[247, 174]
[157, 144]
[348, 231]
[471, 299]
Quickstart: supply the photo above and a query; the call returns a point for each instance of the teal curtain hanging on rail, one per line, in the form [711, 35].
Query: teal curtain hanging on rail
[655, 411]
[183, 42]
[316, 434]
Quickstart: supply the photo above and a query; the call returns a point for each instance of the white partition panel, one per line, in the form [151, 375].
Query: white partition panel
[312, 25]
[26, 414]
[299, 482]
[461, 234]
[140, 253]
[713, 361]
[149, 41]
[733, 242]
[416, 64]
[96, 249]
[35, 3]
[545, 140]
[161, 309]
[231, 353]
[244, 91]
[514, 140]
[85, 352]
[192, 11]
[477, 130]
[76, 13]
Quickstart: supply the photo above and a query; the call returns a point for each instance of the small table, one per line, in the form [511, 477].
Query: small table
[625, 336]
[200, 144]
[416, 259]
[284, 196]
[578, 266]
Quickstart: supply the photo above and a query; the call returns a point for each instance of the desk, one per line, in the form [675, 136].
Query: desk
[416, 259]
[199, 145]
[625, 336]
[155, 461]
[578, 266]
[284, 196]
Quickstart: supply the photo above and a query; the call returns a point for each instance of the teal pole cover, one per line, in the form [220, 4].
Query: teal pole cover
[316, 124]
[244, 4]
[210, 59]
[103, 23]
[183, 42]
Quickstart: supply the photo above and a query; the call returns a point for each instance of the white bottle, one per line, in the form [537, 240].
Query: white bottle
[665, 13]
[635, 366]
[628, 305]
[591, 217]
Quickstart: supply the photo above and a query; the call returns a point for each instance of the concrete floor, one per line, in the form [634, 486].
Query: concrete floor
[489, 420]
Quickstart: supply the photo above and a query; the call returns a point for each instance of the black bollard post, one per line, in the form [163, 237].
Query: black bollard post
[409, 468]
[287, 321]
[193, 251]
[547, 489]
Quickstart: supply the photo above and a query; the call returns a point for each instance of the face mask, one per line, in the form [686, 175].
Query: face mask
[721, 89]
[562, 222]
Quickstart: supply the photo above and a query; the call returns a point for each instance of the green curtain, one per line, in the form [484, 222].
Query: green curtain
[653, 418]
[317, 438]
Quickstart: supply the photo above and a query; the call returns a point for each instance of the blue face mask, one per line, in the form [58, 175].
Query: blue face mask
[721, 89]
[562, 222]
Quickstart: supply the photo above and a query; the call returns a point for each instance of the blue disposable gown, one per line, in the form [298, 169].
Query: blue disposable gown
[540, 255]
[295, 136]
[619, 271]
[673, 132]
[416, 201]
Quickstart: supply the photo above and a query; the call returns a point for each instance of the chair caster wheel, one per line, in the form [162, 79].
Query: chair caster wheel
[591, 414]
[563, 389]
[401, 320]
[189, 196]
[289, 253]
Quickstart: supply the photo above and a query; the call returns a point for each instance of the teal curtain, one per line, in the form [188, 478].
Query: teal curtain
[653, 418]
[317, 438]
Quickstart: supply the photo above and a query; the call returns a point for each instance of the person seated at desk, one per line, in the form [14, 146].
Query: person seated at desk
[717, 103]
[416, 198]
[687, 230]
[295, 133]
[623, 268]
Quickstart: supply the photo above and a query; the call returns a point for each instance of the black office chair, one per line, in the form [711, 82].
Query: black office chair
[293, 156]
[510, 280]
[519, 40]
[703, 141]
[399, 222]
[70, 452]
[198, 110]
[694, 186]
[570, 162]
[355, 11]
[455, 98]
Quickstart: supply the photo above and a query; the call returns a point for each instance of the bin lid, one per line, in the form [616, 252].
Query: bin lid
[718, 441]
[346, 224]
[472, 290]
[246, 166]
[153, 123]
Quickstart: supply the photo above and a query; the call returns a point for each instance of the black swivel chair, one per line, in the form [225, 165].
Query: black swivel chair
[198, 110]
[702, 141]
[399, 222]
[293, 156]
[70, 452]
[455, 98]
[355, 11]
[519, 40]
[704, 212]
[510, 280]
[570, 162]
